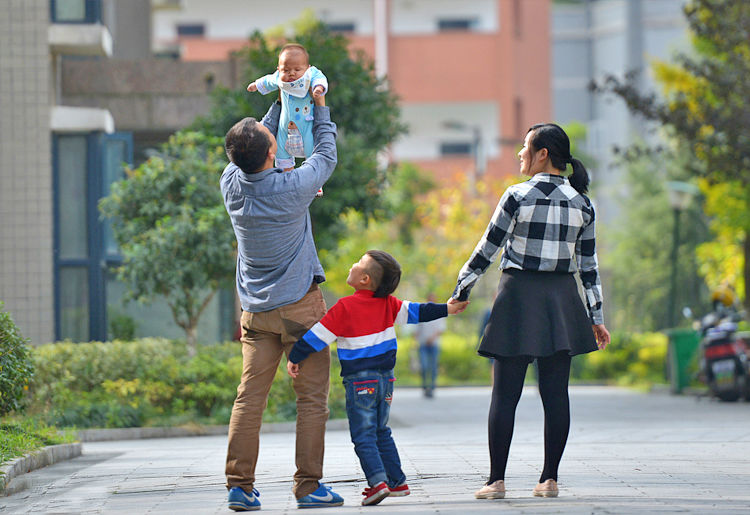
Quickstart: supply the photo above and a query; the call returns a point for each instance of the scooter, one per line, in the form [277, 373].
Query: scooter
[725, 353]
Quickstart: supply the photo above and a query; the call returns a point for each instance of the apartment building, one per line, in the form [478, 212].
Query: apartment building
[471, 75]
[58, 156]
[593, 38]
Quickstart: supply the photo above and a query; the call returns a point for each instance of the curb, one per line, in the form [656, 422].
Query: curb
[139, 433]
[36, 460]
[56, 453]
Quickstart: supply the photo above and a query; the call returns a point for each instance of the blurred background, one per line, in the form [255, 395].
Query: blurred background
[432, 98]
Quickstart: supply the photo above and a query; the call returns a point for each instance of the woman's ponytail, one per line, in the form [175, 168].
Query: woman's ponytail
[579, 179]
[552, 137]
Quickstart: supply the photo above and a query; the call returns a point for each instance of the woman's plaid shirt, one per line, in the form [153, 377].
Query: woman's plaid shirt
[543, 224]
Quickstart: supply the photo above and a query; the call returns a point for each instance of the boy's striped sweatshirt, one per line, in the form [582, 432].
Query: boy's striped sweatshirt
[363, 325]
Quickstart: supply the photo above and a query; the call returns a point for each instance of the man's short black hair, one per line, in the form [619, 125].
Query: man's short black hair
[247, 145]
[386, 274]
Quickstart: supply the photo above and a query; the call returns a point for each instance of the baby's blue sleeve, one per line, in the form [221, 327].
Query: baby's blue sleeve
[268, 83]
[318, 79]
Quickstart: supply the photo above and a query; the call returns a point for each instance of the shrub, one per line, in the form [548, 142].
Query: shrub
[150, 382]
[15, 365]
[631, 359]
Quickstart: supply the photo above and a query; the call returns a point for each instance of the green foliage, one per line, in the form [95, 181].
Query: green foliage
[640, 261]
[122, 326]
[721, 260]
[15, 365]
[149, 382]
[22, 436]
[169, 220]
[365, 111]
[705, 103]
[632, 359]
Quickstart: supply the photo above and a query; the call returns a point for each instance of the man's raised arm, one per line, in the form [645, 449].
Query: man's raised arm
[271, 119]
[317, 168]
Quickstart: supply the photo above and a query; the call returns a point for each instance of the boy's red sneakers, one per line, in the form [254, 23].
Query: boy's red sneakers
[400, 490]
[375, 494]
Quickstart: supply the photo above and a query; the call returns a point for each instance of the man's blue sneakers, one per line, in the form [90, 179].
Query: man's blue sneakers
[240, 500]
[320, 498]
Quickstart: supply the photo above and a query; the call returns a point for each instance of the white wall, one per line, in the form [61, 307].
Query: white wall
[239, 18]
[426, 130]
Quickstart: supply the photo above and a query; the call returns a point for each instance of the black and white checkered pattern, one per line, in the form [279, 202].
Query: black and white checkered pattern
[543, 224]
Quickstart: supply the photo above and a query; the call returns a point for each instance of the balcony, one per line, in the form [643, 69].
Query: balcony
[76, 28]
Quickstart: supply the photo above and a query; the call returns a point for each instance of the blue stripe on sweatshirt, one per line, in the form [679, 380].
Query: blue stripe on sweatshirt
[413, 317]
[312, 339]
[367, 352]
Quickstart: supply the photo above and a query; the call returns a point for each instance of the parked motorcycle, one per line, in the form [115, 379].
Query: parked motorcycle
[725, 353]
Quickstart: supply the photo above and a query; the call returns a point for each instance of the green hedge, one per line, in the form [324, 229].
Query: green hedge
[15, 365]
[632, 359]
[150, 382]
[153, 382]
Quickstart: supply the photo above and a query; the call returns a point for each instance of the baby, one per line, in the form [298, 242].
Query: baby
[295, 78]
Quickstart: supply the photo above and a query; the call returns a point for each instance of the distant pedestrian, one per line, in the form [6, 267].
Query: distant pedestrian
[428, 336]
[545, 230]
[362, 324]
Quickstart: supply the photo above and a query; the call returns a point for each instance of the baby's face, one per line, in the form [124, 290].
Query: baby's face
[292, 65]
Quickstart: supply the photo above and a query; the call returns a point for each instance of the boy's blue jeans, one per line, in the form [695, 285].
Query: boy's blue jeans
[368, 405]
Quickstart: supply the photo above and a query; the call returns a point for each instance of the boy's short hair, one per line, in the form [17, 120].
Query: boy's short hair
[386, 273]
[295, 46]
[247, 145]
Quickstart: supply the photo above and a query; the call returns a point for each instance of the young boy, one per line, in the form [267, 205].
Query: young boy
[295, 78]
[363, 325]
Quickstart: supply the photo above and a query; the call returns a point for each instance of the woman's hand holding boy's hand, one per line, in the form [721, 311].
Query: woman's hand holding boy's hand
[292, 369]
[456, 306]
[252, 87]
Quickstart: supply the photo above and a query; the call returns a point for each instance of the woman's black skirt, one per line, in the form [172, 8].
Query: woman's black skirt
[537, 314]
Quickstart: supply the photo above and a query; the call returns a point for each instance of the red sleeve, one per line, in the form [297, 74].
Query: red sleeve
[335, 317]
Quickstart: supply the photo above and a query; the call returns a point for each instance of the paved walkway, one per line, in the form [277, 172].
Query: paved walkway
[628, 452]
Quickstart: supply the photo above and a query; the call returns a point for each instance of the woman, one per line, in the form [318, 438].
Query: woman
[545, 228]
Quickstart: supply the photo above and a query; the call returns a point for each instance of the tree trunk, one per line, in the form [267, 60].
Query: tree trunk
[746, 270]
[191, 337]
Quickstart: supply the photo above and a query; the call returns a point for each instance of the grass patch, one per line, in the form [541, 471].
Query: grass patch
[22, 436]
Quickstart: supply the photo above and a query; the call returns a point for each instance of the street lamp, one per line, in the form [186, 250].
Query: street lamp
[680, 195]
[480, 161]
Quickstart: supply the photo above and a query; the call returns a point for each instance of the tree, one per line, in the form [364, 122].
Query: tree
[639, 262]
[365, 111]
[176, 238]
[705, 102]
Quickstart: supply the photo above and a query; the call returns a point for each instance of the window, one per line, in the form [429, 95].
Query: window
[76, 11]
[341, 26]
[455, 148]
[458, 24]
[84, 167]
[191, 30]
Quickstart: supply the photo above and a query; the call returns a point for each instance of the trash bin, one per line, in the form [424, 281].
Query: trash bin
[683, 345]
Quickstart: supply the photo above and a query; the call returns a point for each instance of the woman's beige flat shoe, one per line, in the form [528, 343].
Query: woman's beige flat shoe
[546, 489]
[494, 490]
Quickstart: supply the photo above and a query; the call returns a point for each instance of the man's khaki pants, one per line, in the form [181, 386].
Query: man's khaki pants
[265, 337]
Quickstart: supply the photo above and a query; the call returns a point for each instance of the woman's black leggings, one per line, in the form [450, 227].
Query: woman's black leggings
[554, 372]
